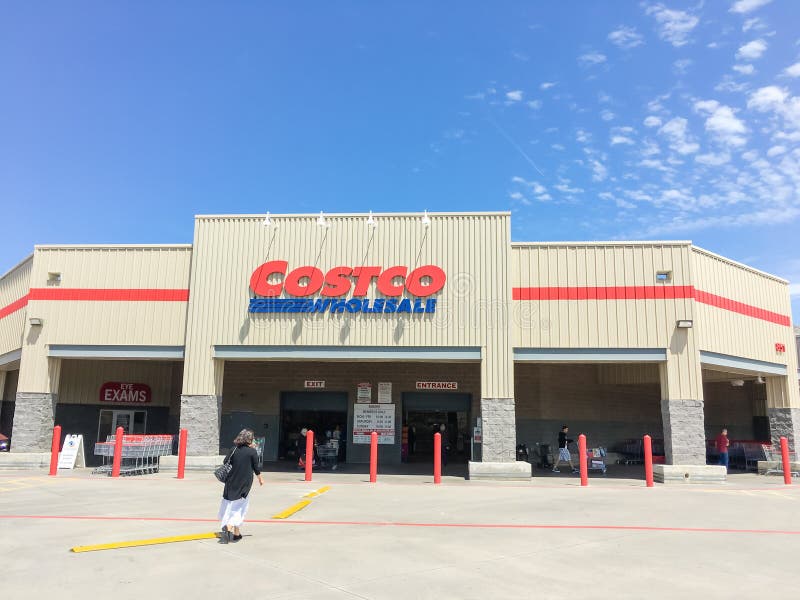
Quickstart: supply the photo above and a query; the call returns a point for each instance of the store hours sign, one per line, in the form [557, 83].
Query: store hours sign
[373, 417]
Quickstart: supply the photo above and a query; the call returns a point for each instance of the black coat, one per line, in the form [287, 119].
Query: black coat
[245, 463]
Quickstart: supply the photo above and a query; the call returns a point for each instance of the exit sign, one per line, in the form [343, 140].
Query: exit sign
[314, 384]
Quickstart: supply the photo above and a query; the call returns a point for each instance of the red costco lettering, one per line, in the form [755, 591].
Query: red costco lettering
[338, 281]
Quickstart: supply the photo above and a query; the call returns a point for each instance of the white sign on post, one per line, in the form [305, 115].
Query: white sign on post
[72, 454]
[364, 392]
[373, 417]
[384, 392]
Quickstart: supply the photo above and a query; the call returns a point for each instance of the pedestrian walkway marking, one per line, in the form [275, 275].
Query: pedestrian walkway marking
[150, 542]
[292, 509]
[318, 492]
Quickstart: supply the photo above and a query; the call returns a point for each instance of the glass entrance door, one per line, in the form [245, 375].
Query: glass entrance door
[131, 421]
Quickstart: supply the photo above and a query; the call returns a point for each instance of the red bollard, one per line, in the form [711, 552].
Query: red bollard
[437, 458]
[583, 462]
[182, 452]
[373, 457]
[648, 460]
[117, 452]
[787, 468]
[54, 450]
[309, 454]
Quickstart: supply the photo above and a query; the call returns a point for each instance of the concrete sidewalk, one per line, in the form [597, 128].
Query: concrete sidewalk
[403, 537]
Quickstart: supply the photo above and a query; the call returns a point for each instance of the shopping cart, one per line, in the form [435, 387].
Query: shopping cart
[140, 453]
[329, 455]
[773, 455]
[596, 460]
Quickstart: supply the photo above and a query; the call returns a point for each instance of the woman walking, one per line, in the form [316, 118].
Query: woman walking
[243, 458]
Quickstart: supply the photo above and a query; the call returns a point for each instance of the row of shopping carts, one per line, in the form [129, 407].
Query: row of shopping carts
[140, 453]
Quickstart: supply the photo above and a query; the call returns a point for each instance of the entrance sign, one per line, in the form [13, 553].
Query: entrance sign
[384, 392]
[72, 453]
[373, 417]
[125, 393]
[437, 385]
[364, 394]
[314, 384]
[417, 285]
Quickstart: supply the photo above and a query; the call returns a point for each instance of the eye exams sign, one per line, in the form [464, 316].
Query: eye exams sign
[312, 291]
[125, 393]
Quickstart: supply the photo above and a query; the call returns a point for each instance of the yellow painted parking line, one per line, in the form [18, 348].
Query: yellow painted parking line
[318, 492]
[150, 542]
[292, 509]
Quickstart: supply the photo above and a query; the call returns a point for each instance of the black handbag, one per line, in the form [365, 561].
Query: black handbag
[222, 471]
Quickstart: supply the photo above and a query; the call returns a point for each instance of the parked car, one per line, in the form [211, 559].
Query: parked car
[4, 443]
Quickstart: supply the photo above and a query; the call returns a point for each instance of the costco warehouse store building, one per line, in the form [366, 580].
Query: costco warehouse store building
[411, 320]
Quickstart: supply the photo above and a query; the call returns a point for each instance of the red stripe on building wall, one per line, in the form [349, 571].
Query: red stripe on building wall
[633, 292]
[13, 307]
[742, 308]
[647, 292]
[110, 295]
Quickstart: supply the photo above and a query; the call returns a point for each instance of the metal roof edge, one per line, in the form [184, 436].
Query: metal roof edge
[108, 246]
[332, 215]
[17, 266]
[607, 243]
[730, 261]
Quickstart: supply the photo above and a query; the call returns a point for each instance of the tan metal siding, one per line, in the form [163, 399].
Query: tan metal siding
[104, 322]
[598, 323]
[14, 286]
[81, 380]
[728, 332]
[472, 308]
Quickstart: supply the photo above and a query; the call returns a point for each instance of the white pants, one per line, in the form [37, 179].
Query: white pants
[232, 512]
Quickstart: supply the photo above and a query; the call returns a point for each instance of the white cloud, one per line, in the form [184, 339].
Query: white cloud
[584, 137]
[681, 66]
[793, 71]
[713, 160]
[755, 24]
[752, 50]
[625, 37]
[744, 69]
[776, 151]
[591, 59]
[558, 147]
[514, 96]
[621, 139]
[599, 171]
[675, 26]
[652, 121]
[650, 148]
[607, 115]
[750, 155]
[675, 130]
[652, 163]
[767, 98]
[535, 104]
[713, 45]
[565, 189]
[516, 196]
[746, 6]
[547, 85]
[722, 123]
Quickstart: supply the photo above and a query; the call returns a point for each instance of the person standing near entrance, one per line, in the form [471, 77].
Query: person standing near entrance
[445, 443]
[723, 444]
[243, 459]
[563, 450]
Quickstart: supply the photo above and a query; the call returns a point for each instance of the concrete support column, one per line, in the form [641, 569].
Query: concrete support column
[201, 413]
[784, 415]
[201, 416]
[36, 398]
[33, 421]
[498, 422]
[684, 432]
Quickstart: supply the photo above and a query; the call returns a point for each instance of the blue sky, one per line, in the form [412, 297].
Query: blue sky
[588, 120]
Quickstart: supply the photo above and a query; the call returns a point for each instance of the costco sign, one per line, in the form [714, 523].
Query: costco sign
[333, 287]
[125, 393]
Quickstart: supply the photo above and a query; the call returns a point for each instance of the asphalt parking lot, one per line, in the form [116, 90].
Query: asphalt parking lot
[402, 538]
